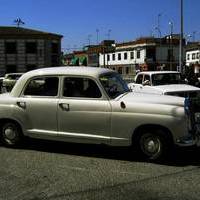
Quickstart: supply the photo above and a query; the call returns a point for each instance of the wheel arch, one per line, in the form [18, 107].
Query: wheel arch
[6, 120]
[139, 129]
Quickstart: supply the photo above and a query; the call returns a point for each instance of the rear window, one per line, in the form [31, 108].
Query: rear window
[43, 86]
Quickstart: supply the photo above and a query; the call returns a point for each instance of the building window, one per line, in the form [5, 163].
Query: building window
[30, 67]
[170, 55]
[54, 48]
[120, 69]
[125, 56]
[127, 70]
[138, 54]
[113, 56]
[40, 52]
[54, 60]
[31, 47]
[193, 56]
[188, 56]
[11, 69]
[10, 47]
[119, 56]
[132, 55]
[198, 55]
[108, 57]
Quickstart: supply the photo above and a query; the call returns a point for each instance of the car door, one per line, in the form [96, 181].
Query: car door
[83, 112]
[40, 103]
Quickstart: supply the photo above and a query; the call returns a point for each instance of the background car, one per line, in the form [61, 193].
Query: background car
[163, 82]
[9, 81]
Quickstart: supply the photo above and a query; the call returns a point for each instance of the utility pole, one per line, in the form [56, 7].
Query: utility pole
[97, 31]
[171, 44]
[181, 39]
[160, 38]
[158, 26]
[109, 31]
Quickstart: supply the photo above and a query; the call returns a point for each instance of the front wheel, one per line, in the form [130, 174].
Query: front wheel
[153, 145]
[11, 134]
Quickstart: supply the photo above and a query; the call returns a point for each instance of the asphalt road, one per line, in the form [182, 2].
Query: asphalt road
[54, 170]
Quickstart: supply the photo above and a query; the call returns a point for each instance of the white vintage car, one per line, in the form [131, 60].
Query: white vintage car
[163, 82]
[9, 81]
[94, 105]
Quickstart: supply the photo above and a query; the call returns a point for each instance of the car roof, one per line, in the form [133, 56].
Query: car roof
[69, 70]
[94, 72]
[159, 72]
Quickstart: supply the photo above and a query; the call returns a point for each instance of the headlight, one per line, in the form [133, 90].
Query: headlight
[187, 105]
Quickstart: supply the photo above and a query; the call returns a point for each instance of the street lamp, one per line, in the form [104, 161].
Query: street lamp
[158, 25]
[97, 31]
[193, 35]
[171, 44]
[159, 32]
[187, 37]
[171, 27]
[89, 39]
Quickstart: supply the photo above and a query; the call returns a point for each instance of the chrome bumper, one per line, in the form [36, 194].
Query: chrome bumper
[186, 141]
[190, 139]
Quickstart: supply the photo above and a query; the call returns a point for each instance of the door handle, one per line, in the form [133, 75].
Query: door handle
[64, 106]
[21, 104]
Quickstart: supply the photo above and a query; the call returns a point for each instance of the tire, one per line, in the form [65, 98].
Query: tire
[153, 144]
[11, 134]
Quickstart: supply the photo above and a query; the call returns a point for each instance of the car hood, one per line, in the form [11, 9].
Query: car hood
[151, 99]
[176, 88]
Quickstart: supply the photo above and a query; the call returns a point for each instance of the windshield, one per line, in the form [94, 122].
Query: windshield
[113, 84]
[166, 79]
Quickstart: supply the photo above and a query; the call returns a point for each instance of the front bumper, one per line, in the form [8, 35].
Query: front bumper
[190, 139]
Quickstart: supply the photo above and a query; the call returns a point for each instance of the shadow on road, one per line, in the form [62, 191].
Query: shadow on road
[179, 157]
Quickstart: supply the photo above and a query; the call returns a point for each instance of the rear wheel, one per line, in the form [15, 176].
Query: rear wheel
[11, 134]
[153, 144]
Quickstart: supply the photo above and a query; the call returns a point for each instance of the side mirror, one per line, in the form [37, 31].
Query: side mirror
[147, 82]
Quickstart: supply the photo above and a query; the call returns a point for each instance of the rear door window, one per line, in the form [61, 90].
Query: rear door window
[42, 86]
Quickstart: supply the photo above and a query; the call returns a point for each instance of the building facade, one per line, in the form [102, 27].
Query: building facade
[193, 57]
[143, 54]
[24, 49]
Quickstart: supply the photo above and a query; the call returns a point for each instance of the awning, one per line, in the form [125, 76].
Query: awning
[83, 61]
[75, 61]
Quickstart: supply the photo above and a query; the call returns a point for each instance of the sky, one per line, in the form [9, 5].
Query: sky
[83, 22]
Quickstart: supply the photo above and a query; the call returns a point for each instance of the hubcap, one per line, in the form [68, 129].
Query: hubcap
[10, 133]
[151, 145]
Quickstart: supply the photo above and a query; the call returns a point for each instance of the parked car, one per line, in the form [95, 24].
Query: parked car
[163, 82]
[1, 82]
[94, 105]
[9, 81]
